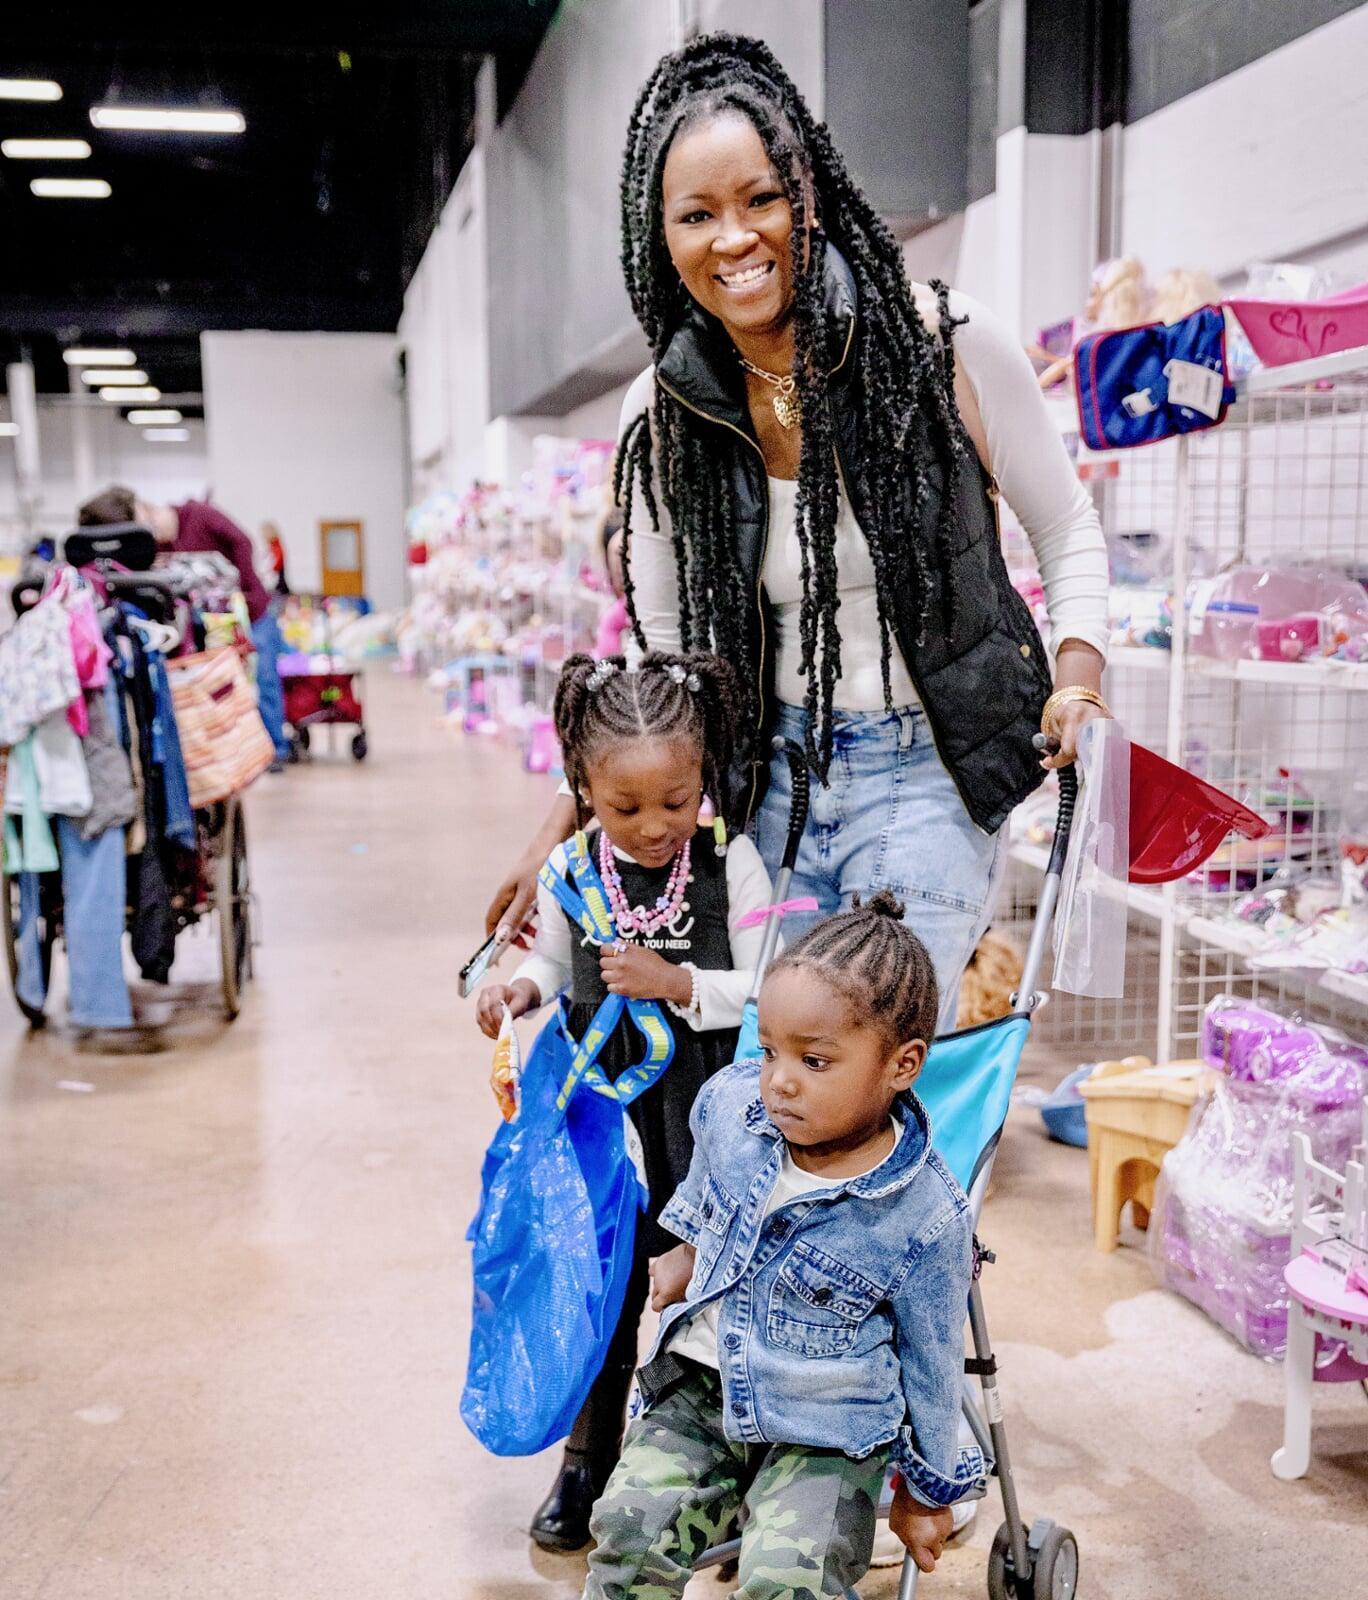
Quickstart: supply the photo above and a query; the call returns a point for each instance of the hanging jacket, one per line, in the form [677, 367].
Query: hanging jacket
[37, 671]
[980, 670]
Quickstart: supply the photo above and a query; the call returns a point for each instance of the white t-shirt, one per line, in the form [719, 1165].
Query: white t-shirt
[697, 1338]
[1037, 480]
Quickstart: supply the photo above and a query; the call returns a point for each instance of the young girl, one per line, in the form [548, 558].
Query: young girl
[641, 749]
[813, 1317]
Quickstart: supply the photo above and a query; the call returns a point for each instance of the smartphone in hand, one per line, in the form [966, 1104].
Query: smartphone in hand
[484, 958]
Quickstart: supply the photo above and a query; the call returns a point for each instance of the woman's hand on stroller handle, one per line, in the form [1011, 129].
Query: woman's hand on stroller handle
[1061, 747]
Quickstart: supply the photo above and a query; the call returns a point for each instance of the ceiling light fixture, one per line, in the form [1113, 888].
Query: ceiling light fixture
[29, 89]
[144, 418]
[70, 188]
[158, 119]
[166, 435]
[95, 376]
[45, 149]
[9, 430]
[125, 397]
[99, 358]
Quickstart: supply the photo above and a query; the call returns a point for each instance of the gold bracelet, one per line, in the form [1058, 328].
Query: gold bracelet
[1062, 697]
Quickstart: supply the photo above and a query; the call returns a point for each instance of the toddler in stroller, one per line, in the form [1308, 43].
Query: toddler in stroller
[813, 1315]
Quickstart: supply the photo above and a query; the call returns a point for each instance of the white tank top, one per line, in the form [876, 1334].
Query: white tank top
[860, 685]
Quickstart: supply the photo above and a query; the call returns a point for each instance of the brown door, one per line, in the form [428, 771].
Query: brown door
[343, 557]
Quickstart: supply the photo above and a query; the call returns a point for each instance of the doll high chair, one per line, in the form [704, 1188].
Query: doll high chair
[1327, 1284]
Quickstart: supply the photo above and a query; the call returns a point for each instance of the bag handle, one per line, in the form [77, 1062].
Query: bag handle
[585, 902]
[584, 1069]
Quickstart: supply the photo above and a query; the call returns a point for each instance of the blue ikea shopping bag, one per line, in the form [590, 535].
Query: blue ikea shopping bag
[1139, 385]
[554, 1234]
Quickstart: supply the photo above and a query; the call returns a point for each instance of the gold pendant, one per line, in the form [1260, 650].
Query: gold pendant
[788, 408]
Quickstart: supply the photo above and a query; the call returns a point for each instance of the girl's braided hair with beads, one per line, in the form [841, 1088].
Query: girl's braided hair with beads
[873, 958]
[902, 385]
[693, 696]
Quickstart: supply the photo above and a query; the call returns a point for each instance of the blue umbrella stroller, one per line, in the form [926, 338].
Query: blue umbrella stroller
[966, 1086]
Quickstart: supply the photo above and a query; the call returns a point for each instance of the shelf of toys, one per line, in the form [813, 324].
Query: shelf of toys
[1256, 681]
[507, 582]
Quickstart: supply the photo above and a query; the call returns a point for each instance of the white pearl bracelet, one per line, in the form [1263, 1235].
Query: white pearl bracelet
[691, 1010]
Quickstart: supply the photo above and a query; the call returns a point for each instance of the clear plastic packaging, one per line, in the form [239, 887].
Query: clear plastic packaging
[1222, 1228]
[1292, 280]
[1227, 613]
[1091, 922]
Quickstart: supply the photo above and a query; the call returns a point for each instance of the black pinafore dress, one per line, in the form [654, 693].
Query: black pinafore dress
[699, 934]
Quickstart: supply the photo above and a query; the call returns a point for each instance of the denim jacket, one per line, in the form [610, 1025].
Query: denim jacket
[841, 1322]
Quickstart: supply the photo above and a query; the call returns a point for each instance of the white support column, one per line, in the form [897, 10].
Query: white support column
[1046, 226]
[27, 468]
[82, 442]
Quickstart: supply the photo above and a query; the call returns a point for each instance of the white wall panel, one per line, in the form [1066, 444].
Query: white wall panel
[1266, 163]
[305, 428]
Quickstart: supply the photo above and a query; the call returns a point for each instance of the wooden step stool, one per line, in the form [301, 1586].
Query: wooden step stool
[1136, 1113]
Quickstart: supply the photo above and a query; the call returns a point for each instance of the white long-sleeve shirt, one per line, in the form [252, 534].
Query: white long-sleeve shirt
[721, 995]
[1034, 473]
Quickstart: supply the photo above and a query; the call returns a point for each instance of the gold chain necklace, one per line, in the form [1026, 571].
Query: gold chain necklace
[788, 408]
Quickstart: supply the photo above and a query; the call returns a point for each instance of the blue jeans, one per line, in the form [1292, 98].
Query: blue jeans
[270, 695]
[93, 923]
[889, 817]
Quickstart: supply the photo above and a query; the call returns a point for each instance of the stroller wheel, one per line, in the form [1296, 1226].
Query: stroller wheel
[1001, 1579]
[1054, 1569]
[359, 747]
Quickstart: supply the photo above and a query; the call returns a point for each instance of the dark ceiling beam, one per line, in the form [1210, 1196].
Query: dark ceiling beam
[20, 315]
[453, 27]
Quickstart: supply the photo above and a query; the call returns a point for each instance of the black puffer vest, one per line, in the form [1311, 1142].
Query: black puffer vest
[980, 671]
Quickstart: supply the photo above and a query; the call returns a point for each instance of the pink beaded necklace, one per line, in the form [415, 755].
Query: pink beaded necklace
[638, 922]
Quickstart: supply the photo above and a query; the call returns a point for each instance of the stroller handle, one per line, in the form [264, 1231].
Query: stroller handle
[801, 792]
[801, 781]
[1026, 999]
[1068, 799]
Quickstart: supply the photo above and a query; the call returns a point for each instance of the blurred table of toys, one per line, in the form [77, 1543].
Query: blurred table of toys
[507, 582]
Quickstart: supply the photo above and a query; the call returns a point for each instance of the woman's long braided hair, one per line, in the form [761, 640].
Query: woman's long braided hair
[902, 383]
[873, 958]
[694, 696]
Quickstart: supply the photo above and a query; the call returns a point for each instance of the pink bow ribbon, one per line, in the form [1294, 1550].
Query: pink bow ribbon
[753, 919]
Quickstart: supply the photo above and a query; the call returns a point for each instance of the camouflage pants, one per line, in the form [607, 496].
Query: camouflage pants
[809, 1527]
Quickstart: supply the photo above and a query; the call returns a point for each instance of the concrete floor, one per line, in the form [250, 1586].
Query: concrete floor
[233, 1287]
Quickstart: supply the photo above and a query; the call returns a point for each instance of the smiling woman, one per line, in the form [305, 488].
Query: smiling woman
[809, 474]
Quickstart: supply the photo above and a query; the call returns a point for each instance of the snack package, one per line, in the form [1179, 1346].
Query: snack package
[505, 1078]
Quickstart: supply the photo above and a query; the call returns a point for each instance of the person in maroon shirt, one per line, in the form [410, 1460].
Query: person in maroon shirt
[198, 526]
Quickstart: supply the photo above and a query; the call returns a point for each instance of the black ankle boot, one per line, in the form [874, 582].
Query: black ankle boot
[562, 1519]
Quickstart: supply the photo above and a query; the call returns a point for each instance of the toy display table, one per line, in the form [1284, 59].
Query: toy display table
[1136, 1113]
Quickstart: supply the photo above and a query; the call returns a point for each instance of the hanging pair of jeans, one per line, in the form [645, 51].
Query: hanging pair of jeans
[270, 694]
[92, 924]
[166, 752]
[154, 923]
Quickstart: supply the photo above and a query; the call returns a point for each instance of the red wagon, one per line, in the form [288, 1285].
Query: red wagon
[314, 697]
